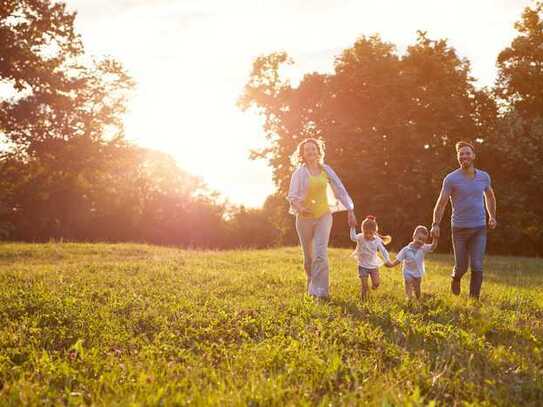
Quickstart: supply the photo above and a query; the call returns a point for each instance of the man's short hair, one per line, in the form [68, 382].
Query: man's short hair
[461, 144]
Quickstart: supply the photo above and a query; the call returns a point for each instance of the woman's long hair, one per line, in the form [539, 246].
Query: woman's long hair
[369, 225]
[297, 157]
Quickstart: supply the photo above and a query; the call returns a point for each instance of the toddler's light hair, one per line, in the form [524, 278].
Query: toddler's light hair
[421, 229]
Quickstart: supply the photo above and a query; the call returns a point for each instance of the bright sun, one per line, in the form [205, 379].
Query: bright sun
[207, 135]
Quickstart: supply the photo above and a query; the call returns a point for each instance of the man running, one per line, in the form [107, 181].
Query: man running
[469, 190]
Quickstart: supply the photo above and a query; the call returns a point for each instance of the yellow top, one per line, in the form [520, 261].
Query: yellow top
[316, 199]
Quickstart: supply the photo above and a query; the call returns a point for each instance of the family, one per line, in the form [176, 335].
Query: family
[316, 192]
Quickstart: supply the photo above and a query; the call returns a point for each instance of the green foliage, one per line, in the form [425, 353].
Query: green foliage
[520, 80]
[37, 41]
[62, 121]
[142, 325]
[252, 228]
[517, 145]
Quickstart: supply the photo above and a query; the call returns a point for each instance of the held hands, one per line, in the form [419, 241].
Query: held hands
[391, 264]
[492, 223]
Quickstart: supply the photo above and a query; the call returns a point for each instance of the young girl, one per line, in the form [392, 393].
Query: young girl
[412, 259]
[368, 243]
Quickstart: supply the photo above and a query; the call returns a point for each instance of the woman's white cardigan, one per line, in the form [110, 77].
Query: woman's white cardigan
[338, 198]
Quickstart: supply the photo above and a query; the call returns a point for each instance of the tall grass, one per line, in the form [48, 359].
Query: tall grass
[142, 325]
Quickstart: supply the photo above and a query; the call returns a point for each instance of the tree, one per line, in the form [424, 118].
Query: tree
[37, 40]
[61, 119]
[520, 67]
[519, 139]
[252, 228]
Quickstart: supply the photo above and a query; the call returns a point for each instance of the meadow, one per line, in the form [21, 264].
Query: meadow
[129, 324]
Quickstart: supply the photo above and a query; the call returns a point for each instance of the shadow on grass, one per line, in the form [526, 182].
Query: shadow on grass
[448, 341]
[435, 323]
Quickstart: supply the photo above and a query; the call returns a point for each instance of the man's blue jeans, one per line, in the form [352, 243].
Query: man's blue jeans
[469, 246]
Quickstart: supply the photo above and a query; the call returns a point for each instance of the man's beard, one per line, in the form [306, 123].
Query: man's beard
[466, 164]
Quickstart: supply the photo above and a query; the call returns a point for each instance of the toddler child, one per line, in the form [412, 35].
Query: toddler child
[412, 259]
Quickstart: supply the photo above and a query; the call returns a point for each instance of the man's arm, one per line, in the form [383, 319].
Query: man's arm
[490, 203]
[439, 210]
[434, 243]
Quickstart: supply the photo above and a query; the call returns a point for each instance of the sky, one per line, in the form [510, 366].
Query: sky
[191, 58]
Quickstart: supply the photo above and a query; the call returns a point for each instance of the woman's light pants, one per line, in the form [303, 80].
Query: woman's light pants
[314, 235]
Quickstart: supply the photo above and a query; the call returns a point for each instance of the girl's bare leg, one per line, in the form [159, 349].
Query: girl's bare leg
[364, 288]
[375, 281]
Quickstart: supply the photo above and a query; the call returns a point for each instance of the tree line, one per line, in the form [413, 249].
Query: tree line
[390, 121]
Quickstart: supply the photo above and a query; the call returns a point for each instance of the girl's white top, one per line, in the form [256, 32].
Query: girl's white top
[366, 250]
[338, 197]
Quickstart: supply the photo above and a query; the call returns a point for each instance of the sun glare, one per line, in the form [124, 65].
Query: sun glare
[209, 137]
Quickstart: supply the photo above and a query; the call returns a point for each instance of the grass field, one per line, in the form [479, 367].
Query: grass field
[142, 325]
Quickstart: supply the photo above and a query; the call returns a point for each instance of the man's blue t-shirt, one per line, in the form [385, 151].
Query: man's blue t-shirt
[466, 194]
